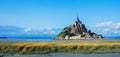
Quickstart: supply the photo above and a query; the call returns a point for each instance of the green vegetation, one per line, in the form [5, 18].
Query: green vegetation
[67, 31]
[72, 46]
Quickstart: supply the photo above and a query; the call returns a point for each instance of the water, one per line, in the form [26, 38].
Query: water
[66, 55]
[27, 39]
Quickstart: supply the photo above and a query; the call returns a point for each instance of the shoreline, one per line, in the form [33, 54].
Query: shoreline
[33, 39]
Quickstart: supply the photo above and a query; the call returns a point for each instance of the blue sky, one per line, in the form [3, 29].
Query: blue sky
[50, 16]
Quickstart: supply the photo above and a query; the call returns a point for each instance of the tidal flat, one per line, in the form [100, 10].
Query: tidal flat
[61, 46]
[67, 55]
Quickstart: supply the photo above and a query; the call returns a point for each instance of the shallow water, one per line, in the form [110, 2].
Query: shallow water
[44, 39]
[67, 55]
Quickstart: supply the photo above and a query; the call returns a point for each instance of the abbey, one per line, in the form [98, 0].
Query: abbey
[77, 30]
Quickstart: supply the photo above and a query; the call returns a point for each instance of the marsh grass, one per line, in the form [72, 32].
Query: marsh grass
[72, 46]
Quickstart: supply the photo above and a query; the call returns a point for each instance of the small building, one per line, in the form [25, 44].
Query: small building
[67, 37]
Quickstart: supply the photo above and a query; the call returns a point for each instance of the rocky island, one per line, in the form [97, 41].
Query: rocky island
[77, 30]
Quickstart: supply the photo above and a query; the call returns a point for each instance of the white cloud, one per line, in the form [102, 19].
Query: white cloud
[104, 24]
[108, 28]
[27, 30]
[12, 30]
[51, 31]
[116, 25]
[109, 24]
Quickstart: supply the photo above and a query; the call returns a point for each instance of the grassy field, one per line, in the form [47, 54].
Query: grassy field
[72, 46]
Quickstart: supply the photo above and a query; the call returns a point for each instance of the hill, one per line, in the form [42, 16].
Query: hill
[77, 30]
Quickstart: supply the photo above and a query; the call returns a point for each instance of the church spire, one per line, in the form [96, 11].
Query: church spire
[78, 19]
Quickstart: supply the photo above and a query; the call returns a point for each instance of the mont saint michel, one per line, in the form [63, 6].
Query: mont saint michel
[77, 30]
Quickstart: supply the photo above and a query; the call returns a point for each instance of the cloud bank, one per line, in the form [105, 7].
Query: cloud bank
[18, 31]
[108, 28]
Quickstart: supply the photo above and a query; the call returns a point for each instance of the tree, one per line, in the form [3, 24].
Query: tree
[89, 31]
